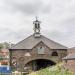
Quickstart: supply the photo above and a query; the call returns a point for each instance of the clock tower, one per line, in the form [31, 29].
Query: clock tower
[36, 28]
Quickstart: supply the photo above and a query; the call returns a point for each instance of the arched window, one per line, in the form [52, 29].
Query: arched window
[54, 53]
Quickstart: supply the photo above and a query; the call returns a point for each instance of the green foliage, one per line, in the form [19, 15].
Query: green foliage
[1, 46]
[5, 45]
[55, 70]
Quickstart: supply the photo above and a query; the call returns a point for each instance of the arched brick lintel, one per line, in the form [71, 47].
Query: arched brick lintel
[29, 60]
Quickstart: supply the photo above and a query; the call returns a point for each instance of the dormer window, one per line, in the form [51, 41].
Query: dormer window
[40, 50]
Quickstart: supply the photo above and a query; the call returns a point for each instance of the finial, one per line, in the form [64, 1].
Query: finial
[36, 18]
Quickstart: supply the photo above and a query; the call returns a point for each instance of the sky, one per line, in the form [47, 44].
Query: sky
[57, 20]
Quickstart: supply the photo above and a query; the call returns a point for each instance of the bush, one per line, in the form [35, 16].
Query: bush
[55, 70]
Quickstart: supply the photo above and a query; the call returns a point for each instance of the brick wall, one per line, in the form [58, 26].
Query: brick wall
[70, 64]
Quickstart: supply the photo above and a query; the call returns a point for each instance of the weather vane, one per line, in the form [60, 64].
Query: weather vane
[36, 18]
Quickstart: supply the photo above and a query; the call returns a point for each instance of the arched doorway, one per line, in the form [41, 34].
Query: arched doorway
[38, 64]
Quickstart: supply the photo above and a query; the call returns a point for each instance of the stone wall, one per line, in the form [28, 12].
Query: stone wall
[22, 59]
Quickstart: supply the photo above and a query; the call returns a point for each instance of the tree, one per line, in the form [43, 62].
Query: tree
[1, 46]
[5, 45]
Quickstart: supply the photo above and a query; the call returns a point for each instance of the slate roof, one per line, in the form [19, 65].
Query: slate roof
[72, 48]
[70, 57]
[31, 41]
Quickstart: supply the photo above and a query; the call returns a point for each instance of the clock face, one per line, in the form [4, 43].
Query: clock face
[37, 30]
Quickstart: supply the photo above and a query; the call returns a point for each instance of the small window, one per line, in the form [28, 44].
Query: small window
[54, 53]
[40, 50]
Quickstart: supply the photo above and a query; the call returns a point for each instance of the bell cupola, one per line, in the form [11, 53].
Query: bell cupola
[36, 28]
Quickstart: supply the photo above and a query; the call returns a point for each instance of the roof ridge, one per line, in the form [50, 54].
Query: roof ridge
[55, 42]
[31, 41]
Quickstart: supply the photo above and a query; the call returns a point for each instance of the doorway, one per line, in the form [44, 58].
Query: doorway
[40, 64]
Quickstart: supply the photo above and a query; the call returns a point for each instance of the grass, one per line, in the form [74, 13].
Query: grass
[55, 70]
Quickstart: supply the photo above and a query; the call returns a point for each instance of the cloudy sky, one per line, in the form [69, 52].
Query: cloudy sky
[57, 20]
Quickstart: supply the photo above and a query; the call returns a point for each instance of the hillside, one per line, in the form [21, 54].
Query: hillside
[55, 70]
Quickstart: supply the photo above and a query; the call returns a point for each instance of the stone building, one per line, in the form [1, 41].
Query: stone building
[36, 52]
[70, 60]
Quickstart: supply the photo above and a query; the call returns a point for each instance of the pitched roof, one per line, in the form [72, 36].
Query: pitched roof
[70, 57]
[31, 41]
[72, 48]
